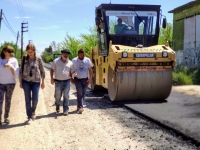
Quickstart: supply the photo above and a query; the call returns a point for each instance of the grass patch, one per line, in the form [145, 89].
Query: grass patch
[186, 76]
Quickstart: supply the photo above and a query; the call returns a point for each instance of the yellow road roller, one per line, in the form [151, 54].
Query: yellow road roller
[128, 61]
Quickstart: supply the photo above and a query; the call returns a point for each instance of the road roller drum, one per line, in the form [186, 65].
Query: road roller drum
[139, 85]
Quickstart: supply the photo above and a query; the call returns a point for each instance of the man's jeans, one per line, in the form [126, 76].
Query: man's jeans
[81, 87]
[31, 92]
[62, 87]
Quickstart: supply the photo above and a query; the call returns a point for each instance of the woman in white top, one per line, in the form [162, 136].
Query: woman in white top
[9, 71]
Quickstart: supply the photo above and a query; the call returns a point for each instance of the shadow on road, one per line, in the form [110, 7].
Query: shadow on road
[55, 115]
[8, 126]
[141, 102]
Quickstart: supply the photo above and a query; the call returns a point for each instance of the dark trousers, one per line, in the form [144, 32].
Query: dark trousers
[81, 87]
[7, 90]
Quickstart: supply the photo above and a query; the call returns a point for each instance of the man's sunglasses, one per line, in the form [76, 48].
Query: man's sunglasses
[10, 51]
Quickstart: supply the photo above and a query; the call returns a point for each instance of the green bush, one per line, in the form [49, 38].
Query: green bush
[195, 75]
[49, 58]
[180, 78]
[186, 76]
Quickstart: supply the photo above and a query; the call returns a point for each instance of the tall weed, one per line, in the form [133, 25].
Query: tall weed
[186, 76]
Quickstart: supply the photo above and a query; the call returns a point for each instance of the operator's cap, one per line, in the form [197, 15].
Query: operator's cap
[65, 51]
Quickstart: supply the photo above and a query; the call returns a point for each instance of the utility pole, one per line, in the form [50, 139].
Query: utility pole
[1, 17]
[16, 43]
[22, 31]
[29, 41]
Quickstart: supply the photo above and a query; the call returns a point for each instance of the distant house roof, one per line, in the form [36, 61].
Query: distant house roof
[190, 4]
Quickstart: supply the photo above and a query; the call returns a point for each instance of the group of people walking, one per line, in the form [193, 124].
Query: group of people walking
[31, 77]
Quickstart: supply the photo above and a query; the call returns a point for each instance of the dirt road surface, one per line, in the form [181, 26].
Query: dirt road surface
[102, 126]
[193, 90]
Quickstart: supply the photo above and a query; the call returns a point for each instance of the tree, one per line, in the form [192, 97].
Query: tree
[46, 56]
[53, 45]
[17, 49]
[85, 41]
[72, 44]
[166, 35]
[89, 40]
[112, 24]
[141, 28]
[49, 49]
[48, 53]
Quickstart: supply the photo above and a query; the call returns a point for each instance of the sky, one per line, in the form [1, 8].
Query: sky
[52, 20]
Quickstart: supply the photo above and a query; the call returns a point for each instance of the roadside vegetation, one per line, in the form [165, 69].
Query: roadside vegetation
[85, 41]
[17, 50]
[186, 76]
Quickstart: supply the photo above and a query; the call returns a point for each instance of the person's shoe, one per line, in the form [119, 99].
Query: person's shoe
[65, 113]
[7, 121]
[29, 121]
[80, 110]
[57, 109]
[33, 117]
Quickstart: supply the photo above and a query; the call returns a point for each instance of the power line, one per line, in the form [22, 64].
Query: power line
[10, 29]
[19, 10]
[8, 25]
[22, 13]
[22, 9]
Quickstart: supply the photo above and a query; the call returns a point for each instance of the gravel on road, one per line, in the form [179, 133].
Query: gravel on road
[102, 126]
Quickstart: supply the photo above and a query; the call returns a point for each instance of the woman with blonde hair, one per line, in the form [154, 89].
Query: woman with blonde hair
[9, 71]
[32, 75]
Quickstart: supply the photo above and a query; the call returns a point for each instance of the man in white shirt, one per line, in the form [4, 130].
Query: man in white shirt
[61, 68]
[80, 68]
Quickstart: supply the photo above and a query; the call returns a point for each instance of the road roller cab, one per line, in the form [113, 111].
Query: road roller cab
[127, 61]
